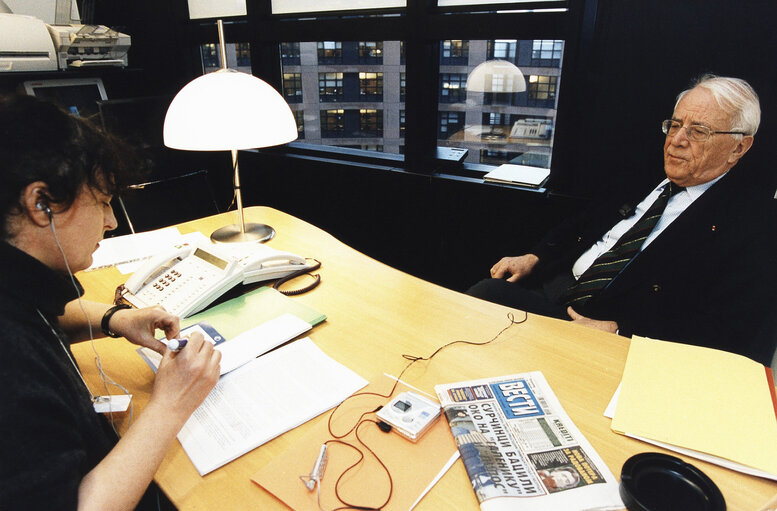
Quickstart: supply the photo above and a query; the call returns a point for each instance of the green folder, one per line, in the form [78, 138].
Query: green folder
[244, 312]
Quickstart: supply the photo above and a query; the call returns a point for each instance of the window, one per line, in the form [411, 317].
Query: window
[542, 90]
[243, 54]
[332, 123]
[238, 57]
[453, 87]
[330, 52]
[503, 127]
[371, 123]
[290, 54]
[454, 52]
[381, 85]
[210, 57]
[450, 123]
[299, 117]
[292, 87]
[546, 52]
[357, 90]
[371, 86]
[371, 52]
[504, 49]
[330, 87]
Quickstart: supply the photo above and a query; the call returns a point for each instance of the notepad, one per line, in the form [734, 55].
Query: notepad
[703, 399]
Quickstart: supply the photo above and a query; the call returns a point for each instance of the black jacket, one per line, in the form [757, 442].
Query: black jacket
[50, 435]
[708, 279]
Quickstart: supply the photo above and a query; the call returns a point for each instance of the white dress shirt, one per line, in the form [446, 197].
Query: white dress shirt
[676, 205]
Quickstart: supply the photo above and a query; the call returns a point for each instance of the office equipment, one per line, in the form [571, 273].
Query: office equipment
[520, 448]
[410, 414]
[413, 467]
[89, 45]
[700, 399]
[229, 110]
[375, 314]
[187, 277]
[25, 44]
[77, 95]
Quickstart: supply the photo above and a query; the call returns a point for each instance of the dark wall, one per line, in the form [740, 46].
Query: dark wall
[641, 56]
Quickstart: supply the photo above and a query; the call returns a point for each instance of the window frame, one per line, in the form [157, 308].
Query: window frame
[421, 27]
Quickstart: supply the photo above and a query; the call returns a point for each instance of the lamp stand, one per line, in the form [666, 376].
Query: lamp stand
[242, 232]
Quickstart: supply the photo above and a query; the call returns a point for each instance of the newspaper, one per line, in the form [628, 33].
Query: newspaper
[520, 448]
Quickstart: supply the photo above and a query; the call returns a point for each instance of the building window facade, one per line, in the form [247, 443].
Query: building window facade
[450, 123]
[370, 122]
[453, 87]
[332, 123]
[371, 86]
[330, 52]
[330, 87]
[290, 54]
[454, 52]
[547, 52]
[542, 90]
[292, 87]
[370, 52]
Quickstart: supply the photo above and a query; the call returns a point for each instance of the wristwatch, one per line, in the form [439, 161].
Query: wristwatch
[107, 318]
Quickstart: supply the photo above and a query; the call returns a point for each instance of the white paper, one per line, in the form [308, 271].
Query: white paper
[132, 247]
[519, 174]
[263, 399]
[259, 340]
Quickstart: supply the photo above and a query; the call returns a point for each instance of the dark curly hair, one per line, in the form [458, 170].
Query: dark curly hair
[40, 141]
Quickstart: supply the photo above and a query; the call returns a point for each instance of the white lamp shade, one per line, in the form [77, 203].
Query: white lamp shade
[227, 110]
[496, 76]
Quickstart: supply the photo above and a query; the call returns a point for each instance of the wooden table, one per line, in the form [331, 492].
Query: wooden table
[374, 315]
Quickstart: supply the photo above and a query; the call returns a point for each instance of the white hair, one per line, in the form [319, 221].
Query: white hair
[736, 97]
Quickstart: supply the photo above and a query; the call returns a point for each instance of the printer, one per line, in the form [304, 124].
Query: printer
[25, 44]
[89, 45]
[28, 43]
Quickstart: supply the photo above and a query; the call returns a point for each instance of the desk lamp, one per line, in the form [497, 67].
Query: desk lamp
[498, 76]
[229, 110]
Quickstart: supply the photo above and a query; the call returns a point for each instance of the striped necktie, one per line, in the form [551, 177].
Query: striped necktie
[608, 265]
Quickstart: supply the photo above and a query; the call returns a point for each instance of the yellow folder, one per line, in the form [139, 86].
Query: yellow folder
[698, 398]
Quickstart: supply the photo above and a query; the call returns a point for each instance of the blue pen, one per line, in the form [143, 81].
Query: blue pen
[174, 344]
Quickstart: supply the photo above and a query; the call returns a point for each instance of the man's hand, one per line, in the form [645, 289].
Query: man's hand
[607, 326]
[140, 325]
[516, 267]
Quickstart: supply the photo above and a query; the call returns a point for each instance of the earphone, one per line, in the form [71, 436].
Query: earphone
[44, 207]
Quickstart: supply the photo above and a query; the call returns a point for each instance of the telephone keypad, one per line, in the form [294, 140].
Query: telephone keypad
[182, 284]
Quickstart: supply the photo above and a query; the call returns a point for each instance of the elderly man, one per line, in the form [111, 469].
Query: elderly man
[693, 262]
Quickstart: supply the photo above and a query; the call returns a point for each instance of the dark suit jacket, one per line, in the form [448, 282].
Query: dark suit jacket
[708, 279]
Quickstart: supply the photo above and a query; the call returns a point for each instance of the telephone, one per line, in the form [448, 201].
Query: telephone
[189, 276]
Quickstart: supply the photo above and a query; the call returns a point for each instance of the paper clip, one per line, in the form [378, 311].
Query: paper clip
[317, 473]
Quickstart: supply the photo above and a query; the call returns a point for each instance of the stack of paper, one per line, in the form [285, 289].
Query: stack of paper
[702, 402]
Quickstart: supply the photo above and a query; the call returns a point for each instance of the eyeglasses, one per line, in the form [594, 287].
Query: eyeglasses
[694, 132]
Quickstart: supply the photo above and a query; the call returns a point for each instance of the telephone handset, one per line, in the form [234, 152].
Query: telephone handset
[188, 277]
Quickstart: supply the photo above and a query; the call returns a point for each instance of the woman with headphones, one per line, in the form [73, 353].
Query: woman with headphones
[58, 174]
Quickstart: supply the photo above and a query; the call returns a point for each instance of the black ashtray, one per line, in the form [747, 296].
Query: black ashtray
[651, 481]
